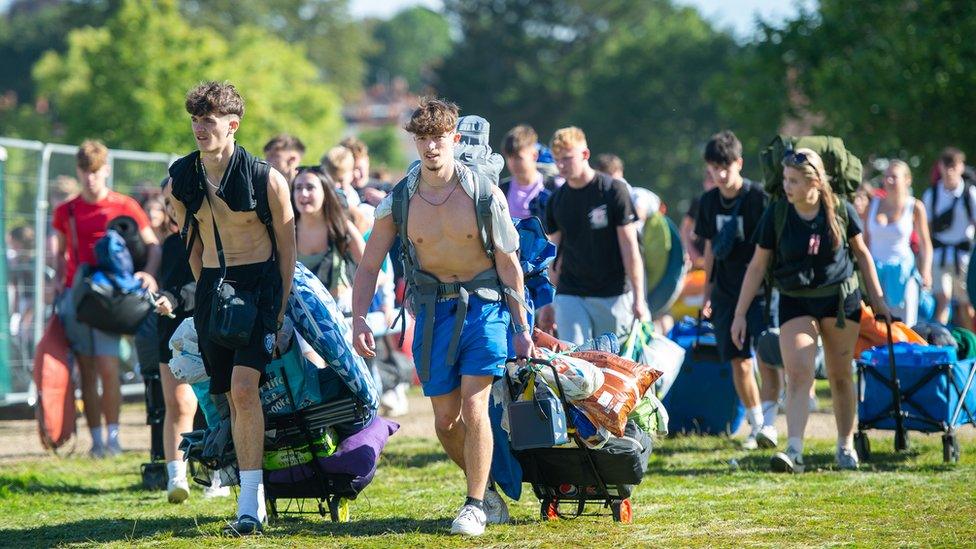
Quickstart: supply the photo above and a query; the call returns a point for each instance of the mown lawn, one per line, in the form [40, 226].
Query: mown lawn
[691, 497]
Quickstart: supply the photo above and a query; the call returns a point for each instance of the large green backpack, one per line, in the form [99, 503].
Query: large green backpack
[843, 168]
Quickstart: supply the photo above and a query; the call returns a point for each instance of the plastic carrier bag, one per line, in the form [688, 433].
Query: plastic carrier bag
[647, 347]
[290, 372]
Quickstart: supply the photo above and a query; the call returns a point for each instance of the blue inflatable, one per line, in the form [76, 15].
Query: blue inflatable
[317, 318]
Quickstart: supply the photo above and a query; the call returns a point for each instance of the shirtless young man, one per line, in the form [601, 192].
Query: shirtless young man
[255, 263]
[443, 240]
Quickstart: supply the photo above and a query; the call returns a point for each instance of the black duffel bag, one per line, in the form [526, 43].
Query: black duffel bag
[102, 305]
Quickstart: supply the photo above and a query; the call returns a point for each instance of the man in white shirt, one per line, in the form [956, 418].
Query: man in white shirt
[952, 203]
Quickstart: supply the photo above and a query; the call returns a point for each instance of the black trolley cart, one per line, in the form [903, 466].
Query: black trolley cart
[567, 480]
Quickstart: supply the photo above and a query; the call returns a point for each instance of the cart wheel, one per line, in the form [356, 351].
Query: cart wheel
[950, 448]
[549, 509]
[339, 509]
[862, 445]
[622, 510]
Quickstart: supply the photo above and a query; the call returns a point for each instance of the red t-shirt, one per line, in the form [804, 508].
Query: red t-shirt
[91, 220]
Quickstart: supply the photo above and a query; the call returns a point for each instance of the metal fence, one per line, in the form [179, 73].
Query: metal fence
[34, 178]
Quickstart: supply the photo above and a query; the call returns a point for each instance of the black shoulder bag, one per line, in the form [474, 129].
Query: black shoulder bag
[726, 238]
[233, 312]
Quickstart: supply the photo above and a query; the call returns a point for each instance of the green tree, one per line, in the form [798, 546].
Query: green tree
[335, 42]
[633, 75]
[647, 98]
[386, 147]
[26, 32]
[410, 45]
[891, 78]
[125, 82]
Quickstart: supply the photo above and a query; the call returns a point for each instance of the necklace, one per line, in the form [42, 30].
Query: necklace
[422, 197]
[207, 177]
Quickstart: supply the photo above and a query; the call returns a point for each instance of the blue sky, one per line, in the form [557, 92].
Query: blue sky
[739, 15]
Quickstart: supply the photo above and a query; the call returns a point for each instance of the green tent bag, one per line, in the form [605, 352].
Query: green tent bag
[843, 168]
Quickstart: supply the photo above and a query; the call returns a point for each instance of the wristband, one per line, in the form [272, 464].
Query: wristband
[520, 328]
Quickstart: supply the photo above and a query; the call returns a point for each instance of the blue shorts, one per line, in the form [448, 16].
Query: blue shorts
[482, 349]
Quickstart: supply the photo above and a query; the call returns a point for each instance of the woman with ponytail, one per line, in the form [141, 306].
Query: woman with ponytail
[812, 240]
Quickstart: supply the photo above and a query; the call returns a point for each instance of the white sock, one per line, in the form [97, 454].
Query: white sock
[96, 434]
[769, 412]
[755, 417]
[176, 469]
[113, 433]
[842, 442]
[795, 443]
[251, 499]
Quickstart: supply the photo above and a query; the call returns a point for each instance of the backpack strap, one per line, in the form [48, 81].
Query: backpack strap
[401, 205]
[259, 188]
[482, 204]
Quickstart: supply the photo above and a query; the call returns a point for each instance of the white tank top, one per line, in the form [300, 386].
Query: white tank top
[892, 241]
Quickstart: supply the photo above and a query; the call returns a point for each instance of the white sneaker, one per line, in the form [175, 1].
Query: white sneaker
[789, 461]
[750, 442]
[469, 522]
[846, 459]
[177, 490]
[215, 490]
[767, 436]
[496, 509]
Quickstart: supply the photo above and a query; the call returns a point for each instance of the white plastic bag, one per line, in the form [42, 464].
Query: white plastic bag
[579, 378]
[664, 355]
[186, 364]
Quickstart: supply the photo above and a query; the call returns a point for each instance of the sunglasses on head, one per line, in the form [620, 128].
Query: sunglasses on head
[795, 158]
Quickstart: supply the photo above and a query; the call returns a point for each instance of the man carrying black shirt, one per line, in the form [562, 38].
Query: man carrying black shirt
[591, 221]
[727, 255]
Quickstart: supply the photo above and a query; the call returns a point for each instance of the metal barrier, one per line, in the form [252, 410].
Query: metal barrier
[31, 166]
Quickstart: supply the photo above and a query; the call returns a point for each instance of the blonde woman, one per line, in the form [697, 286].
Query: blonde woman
[811, 251]
[888, 233]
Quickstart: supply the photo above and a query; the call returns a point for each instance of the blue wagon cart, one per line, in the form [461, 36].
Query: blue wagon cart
[909, 387]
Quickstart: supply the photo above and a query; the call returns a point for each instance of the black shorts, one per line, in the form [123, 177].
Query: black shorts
[723, 311]
[262, 279]
[165, 327]
[818, 307]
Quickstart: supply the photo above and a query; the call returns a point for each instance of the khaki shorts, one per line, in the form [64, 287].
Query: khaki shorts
[946, 281]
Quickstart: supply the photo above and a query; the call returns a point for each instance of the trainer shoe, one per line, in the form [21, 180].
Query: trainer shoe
[789, 461]
[750, 442]
[767, 437]
[97, 452]
[469, 522]
[245, 525]
[177, 490]
[113, 448]
[846, 459]
[215, 490]
[496, 510]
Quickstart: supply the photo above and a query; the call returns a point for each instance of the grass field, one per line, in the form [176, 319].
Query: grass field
[690, 497]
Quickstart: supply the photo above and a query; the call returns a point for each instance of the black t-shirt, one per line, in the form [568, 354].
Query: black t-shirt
[174, 269]
[714, 211]
[801, 238]
[589, 251]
